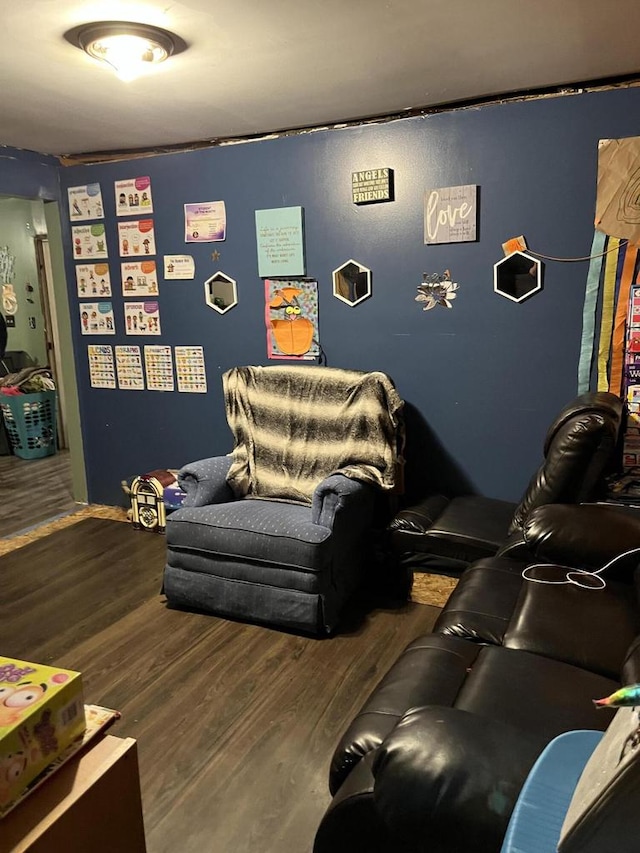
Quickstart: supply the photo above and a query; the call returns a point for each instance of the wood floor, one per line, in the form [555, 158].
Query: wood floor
[33, 490]
[235, 723]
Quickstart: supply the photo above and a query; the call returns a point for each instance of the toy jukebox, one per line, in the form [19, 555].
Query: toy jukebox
[147, 504]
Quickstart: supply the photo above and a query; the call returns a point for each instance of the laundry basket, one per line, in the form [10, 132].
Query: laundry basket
[30, 421]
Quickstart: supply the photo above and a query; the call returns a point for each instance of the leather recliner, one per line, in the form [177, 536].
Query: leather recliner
[435, 759]
[453, 532]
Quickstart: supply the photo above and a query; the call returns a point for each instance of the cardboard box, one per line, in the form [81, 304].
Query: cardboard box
[41, 712]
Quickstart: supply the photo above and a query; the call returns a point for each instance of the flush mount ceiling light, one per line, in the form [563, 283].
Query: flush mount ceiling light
[131, 49]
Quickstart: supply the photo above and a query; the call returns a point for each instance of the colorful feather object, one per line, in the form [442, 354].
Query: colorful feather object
[625, 697]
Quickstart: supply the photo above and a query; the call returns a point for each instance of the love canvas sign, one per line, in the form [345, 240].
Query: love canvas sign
[450, 214]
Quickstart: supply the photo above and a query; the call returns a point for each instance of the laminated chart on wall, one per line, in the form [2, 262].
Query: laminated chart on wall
[129, 368]
[89, 242]
[93, 280]
[133, 196]
[139, 278]
[158, 368]
[190, 370]
[101, 370]
[96, 318]
[142, 318]
[85, 202]
[291, 318]
[136, 238]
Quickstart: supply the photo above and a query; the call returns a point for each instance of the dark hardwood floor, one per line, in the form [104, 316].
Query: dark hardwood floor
[33, 490]
[235, 723]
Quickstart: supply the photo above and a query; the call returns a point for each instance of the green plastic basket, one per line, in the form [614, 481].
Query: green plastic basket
[30, 421]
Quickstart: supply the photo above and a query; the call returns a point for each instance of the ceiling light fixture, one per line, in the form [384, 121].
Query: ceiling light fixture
[131, 49]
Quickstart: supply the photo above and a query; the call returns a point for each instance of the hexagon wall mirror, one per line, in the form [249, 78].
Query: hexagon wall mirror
[517, 277]
[352, 282]
[220, 292]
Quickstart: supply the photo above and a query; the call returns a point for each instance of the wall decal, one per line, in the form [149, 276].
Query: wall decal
[450, 214]
[436, 289]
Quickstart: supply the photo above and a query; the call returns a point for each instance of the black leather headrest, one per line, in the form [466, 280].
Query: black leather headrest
[593, 402]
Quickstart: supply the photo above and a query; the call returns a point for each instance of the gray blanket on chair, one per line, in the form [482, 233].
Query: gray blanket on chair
[294, 426]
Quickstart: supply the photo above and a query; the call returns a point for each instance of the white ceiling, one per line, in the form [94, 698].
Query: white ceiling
[257, 66]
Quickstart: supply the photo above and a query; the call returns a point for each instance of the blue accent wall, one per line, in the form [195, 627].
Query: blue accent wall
[26, 174]
[483, 380]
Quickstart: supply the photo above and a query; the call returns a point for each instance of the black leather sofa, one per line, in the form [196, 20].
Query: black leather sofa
[451, 531]
[435, 759]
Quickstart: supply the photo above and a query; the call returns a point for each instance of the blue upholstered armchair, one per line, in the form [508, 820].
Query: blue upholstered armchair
[277, 532]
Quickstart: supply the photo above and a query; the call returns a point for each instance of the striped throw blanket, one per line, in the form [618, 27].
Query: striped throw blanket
[294, 426]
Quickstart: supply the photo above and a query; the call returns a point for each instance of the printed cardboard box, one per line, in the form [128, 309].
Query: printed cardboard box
[41, 712]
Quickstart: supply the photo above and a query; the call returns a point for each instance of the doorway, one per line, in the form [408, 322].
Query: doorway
[34, 289]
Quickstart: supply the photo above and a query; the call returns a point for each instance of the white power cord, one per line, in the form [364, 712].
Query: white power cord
[578, 577]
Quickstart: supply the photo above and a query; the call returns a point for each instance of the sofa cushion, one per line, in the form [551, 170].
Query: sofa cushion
[551, 696]
[265, 531]
[464, 528]
[494, 604]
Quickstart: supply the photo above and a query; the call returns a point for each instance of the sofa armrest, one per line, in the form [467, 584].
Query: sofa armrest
[335, 492]
[582, 535]
[452, 777]
[205, 481]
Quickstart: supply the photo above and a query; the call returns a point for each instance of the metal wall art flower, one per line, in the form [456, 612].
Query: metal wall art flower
[436, 289]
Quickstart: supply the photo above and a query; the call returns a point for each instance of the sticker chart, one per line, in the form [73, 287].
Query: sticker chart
[190, 370]
[158, 365]
[101, 370]
[129, 368]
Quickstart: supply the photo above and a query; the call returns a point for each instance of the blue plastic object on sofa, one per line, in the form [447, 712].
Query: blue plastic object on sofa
[269, 559]
[539, 813]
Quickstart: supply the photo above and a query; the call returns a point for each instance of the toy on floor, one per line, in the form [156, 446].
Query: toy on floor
[152, 495]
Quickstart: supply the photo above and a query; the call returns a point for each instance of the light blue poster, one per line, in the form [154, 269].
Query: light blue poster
[280, 242]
